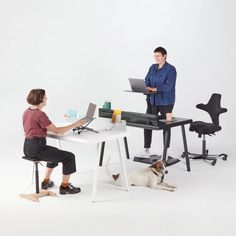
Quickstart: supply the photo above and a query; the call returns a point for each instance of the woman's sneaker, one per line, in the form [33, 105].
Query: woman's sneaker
[70, 189]
[144, 154]
[47, 185]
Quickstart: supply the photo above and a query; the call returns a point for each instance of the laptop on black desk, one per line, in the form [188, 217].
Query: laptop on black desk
[138, 86]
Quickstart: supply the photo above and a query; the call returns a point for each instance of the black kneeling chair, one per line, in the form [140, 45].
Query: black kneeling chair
[39, 192]
[214, 109]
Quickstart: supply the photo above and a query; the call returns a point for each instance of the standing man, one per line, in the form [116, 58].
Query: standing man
[161, 79]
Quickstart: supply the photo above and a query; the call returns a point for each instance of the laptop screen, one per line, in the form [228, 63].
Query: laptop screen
[91, 110]
[138, 85]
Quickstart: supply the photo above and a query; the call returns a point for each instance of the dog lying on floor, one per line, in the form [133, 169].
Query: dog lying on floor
[151, 177]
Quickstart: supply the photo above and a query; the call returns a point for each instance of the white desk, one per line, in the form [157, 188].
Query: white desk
[102, 125]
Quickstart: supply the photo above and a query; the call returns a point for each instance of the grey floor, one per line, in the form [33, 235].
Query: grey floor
[203, 204]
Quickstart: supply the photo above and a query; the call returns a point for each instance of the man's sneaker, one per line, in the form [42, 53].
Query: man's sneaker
[47, 185]
[70, 189]
[145, 153]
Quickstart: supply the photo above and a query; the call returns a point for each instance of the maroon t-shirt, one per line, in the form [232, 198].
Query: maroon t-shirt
[35, 122]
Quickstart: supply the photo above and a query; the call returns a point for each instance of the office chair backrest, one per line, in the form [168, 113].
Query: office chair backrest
[213, 107]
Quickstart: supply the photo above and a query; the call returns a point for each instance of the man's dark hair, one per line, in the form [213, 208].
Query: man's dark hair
[161, 50]
[35, 96]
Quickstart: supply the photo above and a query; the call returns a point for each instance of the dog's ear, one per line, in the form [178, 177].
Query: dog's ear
[115, 177]
[157, 165]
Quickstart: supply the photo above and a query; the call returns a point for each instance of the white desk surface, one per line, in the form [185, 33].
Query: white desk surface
[102, 125]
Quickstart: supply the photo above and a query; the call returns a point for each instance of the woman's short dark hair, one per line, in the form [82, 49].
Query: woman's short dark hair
[35, 96]
[161, 50]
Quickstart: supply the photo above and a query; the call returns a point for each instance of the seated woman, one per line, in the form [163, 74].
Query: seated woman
[36, 123]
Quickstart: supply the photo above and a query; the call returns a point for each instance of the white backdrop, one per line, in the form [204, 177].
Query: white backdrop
[82, 51]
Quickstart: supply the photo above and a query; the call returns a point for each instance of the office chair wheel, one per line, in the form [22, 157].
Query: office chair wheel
[224, 156]
[213, 162]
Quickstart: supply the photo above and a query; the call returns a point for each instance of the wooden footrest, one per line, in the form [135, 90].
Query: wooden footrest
[35, 196]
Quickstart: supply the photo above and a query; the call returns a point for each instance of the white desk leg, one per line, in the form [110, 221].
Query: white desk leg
[58, 143]
[95, 175]
[123, 165]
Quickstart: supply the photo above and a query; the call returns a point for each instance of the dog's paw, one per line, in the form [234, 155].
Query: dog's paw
[170, 189]
[173, 186]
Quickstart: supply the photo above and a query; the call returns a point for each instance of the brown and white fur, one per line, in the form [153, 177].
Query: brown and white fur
[151, 177]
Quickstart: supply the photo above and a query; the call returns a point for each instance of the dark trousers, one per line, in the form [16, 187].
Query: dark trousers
[37, 148]
[155, 110]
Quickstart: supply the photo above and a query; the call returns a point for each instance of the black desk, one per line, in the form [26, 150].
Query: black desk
[165, 125]
[146, 121]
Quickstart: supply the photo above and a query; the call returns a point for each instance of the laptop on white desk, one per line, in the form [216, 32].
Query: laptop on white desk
[90, 112]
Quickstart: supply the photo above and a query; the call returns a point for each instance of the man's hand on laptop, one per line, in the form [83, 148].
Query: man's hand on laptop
[150, 89]
[79, 123]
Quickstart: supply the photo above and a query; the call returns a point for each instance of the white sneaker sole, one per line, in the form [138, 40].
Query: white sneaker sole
[143, 155]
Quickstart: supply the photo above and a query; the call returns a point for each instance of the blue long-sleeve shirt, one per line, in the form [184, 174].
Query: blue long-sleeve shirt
[164, 80]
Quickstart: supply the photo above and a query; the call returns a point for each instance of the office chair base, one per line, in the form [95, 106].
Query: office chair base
[35, 196]
[206, 157]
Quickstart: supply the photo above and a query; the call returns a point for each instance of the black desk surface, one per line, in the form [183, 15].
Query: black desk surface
[146, 121]
[177, 121]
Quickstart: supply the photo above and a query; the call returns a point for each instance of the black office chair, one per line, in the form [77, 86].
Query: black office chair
[202, 128]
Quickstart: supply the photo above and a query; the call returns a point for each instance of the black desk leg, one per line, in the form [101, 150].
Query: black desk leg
[126, 148]
[185, 148]
[102, 153]
[166, 138]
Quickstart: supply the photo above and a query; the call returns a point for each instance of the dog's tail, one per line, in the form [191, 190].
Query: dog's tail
[114, 177]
